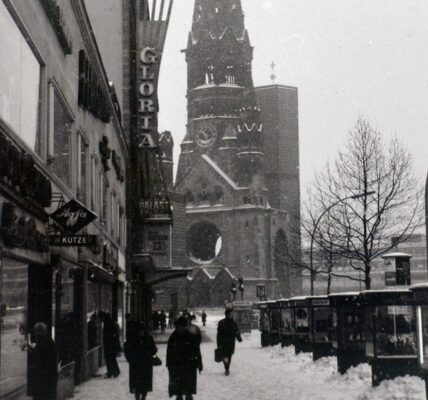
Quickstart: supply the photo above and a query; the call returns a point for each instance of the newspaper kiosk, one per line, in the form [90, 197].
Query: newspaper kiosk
[420, 298]
[390, 333]
[275, 323]
[243, 315]
[347, 335]
[320, 326]
[300, 325]
[286, 322]
[264, 323]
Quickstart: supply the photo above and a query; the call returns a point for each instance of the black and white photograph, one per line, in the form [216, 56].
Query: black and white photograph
[213, 199]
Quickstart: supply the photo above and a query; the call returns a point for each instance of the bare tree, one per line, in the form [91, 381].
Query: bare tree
[383, 198]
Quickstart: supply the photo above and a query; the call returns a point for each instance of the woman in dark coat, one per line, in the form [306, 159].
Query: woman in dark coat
[139, 352]
[183, 359]
[43, 368]
[227, 333]
[111, 343]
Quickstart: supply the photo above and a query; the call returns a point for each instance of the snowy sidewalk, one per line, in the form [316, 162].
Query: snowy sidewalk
[262, 374]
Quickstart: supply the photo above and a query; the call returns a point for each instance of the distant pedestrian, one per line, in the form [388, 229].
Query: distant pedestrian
[111, 343]
[184, 359]
[171, 318]
[139, 352]
[162, 319]
[227, 332]
[204, 318]
[42, 363]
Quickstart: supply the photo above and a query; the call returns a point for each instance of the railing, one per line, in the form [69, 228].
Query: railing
[66, 381]
[92, 362]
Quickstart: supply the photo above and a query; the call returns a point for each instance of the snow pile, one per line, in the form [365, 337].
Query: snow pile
[402, 388]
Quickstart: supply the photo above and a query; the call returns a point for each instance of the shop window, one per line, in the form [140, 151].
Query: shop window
[14, 329]
[82, 175]
[19, 82]
[302, 321]
[396, 331]
[60, 143]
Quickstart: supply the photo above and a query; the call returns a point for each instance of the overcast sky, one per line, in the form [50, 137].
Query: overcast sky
[348, 58]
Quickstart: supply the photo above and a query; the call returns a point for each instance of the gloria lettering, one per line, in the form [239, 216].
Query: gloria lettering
[147, 91]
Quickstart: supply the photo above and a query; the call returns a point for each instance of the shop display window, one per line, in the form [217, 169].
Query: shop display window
[286, 319]
[93, 321]
[14, 330]
[19, 82]
[334, 325]
[301, 319]
[264, 320]
[275, 317]
[66, 322]
[396, 331]
[352, 331]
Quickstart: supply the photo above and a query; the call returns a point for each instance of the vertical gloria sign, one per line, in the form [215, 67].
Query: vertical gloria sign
[151, 42]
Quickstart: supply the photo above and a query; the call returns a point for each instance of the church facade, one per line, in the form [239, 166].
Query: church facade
[222, 171]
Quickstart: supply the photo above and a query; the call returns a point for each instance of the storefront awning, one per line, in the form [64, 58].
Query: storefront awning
[143, 268]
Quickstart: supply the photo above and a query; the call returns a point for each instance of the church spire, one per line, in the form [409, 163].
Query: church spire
[213, 17]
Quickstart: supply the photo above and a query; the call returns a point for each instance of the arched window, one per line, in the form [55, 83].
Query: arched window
[230, 74]
[209, 75]
[189, 197]
[218, 195]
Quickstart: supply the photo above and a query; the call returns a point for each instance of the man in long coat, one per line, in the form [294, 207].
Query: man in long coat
[227, 333]
[139, 352]
[184, 359]
[43, 367]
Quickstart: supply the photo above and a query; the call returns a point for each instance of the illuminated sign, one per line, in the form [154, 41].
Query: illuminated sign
[147, 92]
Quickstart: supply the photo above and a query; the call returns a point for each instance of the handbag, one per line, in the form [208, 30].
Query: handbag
[156, 361]
[218, 355]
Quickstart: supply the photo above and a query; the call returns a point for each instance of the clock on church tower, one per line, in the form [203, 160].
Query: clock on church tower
[206, 134]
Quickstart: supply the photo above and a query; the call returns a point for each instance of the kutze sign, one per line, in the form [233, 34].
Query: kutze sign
[147, 97]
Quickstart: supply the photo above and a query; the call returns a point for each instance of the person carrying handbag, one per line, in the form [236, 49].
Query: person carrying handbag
[227, 333]
[140, 352]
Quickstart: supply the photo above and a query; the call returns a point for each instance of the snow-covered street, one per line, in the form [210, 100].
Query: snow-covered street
[262, 374]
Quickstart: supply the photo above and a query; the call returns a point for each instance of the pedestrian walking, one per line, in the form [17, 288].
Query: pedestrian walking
[184, 359]
[227, 333]
[171, 317]
[111, 343]
[204, 318]
[162, 319]
[139, 352]
[42, 364]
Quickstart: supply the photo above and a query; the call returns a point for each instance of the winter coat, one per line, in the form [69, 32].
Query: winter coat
[43, 369]
[111, 340]
[139, 353]
[227, 332]
[183, 359]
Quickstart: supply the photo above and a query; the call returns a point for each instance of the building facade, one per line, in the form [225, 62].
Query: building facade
[62, 189]
[222, 167]
[415, 246]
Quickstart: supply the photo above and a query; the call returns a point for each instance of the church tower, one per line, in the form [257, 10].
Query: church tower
[230, 226]
[223, 120]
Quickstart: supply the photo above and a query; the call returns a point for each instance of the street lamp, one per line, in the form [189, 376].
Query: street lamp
[341, 200]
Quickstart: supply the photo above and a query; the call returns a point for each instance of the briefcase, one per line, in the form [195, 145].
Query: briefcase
[218, 355]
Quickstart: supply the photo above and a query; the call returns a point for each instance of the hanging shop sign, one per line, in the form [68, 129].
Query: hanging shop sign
[73, 216]
[73, 240]
[19, 231]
